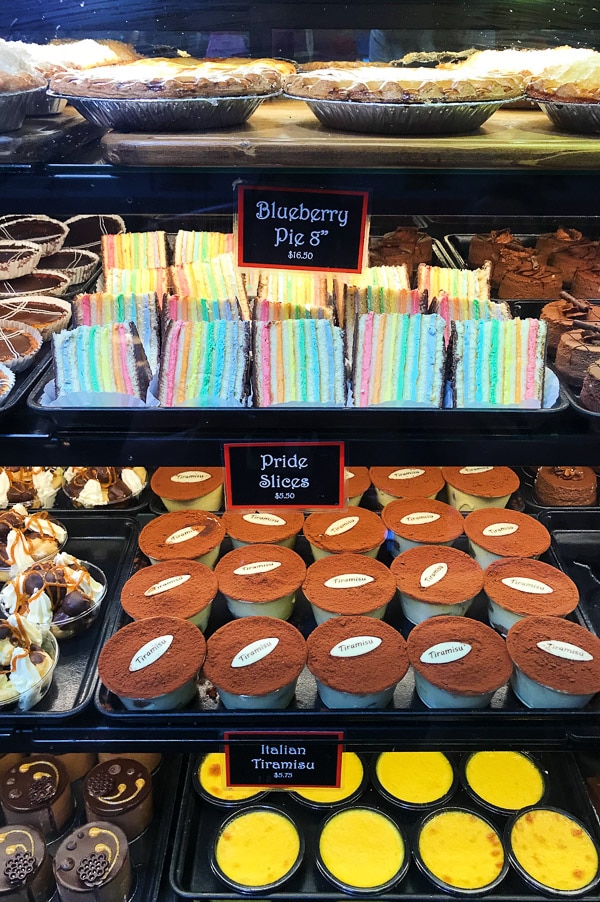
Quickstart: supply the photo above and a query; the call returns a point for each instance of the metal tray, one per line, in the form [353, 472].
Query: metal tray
[192, 878]
[573, 117]
[110, 543]
[15, 106]
[25, 380]
[535, 507]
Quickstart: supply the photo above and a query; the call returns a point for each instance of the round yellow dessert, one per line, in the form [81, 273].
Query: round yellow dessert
[506, 780]
[211, 776]
[415, 778]
[461, 849]
[257, 848]
[554, 849]
[352, 773]
[361, 848]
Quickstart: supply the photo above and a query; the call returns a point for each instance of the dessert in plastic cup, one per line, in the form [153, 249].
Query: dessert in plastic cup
[260, 580]
[353, 778]
[414, 780]
[210, 781]
[503, 782]
[420, 521]
[348, 584]
[185, 488]
[361, 850]
[434, 580]
[62, 595]
[356, 482]
[25, 865]
[27, 537]
[494, 535]
[120, 791]
[473, 488]
[406, 482]
[522, 587]
[460, 851]
[357, 662]
[113, 487]
[556, 662]
[179, 588]
[28, 657]
[458, 662]
[92, 864]
[257, 849]
[153, 664]
[33, 487]
[254, 663]
[553, 851]
[37, 792]
[193, 535]
[266, 527]
[354, 530]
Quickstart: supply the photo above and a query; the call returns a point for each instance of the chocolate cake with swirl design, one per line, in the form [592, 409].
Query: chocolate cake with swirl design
[25, 866]
[92, 864]
[120, 790]
[37, 792]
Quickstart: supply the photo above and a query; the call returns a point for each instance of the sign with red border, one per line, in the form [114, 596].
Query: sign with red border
[284, 759]
[314, 229]
[302, 475]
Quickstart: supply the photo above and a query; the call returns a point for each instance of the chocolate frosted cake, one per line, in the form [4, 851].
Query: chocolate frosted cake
[563, 315]
[566, 486]
[590, 390]
[487, 246]
[531, 281]
[120, 791]
[586, 282]
[404, 245]
[508, 258]
[577, 350]
[37, 792]
[92, 865]
[573, 258]
[25, 866]
[551, 242]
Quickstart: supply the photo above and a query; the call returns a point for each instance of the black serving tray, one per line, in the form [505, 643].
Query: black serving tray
[192, 878]
[535, 507]
[458, 246]
[137, 505]
[572, 396]
[25, 380]
[110, 543]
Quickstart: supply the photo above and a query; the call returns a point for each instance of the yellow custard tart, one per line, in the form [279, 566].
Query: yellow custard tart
[414, 779]
[503, 781]
[210, 781]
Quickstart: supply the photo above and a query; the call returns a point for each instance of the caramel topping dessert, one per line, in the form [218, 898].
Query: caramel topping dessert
[27, 537]
[23, 661]
[32, 487]
[98, 486]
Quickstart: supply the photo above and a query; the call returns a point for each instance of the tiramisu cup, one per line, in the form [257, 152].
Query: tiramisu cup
[348, 584]
[472, 488]
[352, 529]
[254, 663]
[179, 588]
[406, 482]
[434, 580]
[458, 662]
[193, 535]
[185, 488]
[420, 521]
[357, 662]
[260, 579]
[356, 482]
[521, 587]
[494, 535]
[264, 527]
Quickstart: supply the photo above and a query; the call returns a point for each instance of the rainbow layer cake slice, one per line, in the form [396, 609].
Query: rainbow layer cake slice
[457, 283]
[107, 358]
[212, 280]
[377, 289]
[298, 362]
[204, 364]
[137, 281]
[357, 302]
[463, 308]
[195, 310]
[308, 288]
[399, 360]
[141, 309]
[266, 311]
[497, 363]
[134, 250]
[191, 246]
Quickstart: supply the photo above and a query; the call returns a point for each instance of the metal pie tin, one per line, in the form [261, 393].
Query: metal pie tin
[573, 117]
[186, 114]
[43, 104]
[14, 107]
[402, 118]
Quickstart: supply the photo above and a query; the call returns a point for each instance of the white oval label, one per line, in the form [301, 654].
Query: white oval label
[264, 519]
[419, 517]
[191, 476]
[355, 646]
[472, 471]
[565, 650]
[340, 526]
[445, 652]
[182, 535]
[348, 474]
[166, 584]
[406, 473]
[348, 581]
[433, 574]
[530, 586]
[500, 529]
[255, 651]
[257, 567]
[150, 653]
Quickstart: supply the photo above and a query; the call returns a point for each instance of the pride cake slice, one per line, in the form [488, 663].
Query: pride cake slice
[463, 308]
[217, 279]
[457, 283]
[191, 246]
[141, 309]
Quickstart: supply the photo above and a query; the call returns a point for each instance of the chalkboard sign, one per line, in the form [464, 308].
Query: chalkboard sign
[301, 228]
[283, 760]
[304, 475]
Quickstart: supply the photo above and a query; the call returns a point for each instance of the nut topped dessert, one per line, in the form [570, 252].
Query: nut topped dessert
[24, 664]
[566, 486]
[98, 486]
[26, 538]
[31, 486]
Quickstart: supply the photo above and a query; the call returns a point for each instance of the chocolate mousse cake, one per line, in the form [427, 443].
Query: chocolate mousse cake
[153, 664]
[254, 575]
[551, 242]
[150, 760]
[119, 791]
[78, 763]
[508, 259]
[563, 315]
[37, 792]
[470, 488]
[577, 350]
[531, 281]
[486, 246]
[47, 315]
[50, 282]
[566, 486]
[194, 535]
[406, 482]
[356, 482]
[255, 661]
[570, 259]
[530, 588]
[348, 584]
[25, 866]
[586, 282]
[86, 231]
[33, 487]
[496, 534]
[421, 521]
[180, 488]
[19, 344]
[18, 258]
[92, 864]
[590, 390]
[405, 245]
[48, 234]
[178, 588]
[100, 486]
[434, 580]
[352, 529]
[279, 526]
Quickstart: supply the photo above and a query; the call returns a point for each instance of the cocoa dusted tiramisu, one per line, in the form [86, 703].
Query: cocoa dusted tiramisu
[260, 579]
[495, 534]
[471, 488]
[434, 580]
[406, 482]
[342, 584]
[353, 529]
[184, 488]
[356, 482]
[178, 588]
[421, 521]
[194, 535]
[279, 526]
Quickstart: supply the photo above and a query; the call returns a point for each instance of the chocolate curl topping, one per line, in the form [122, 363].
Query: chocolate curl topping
[571, 473]
[93, 869]
[100, 784]
[590, 333]
[577, 308]
[19, 867]
[42, 790]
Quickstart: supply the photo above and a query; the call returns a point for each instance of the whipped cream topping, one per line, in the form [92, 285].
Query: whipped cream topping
[91, 494]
